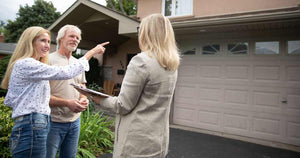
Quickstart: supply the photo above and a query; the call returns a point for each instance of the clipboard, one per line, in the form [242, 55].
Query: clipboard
[92, 92]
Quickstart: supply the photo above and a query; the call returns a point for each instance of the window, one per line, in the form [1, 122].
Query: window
[267, 48]
[189, 52]
[237, 48]
[177, 7]
[187, 47]
[211, 49]
[293, 47]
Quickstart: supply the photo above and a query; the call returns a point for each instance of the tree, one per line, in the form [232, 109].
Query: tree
[41, 13]
[127, 7]
[2, 24]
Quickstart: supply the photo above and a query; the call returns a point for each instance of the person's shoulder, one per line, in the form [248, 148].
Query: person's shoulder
[142, 58]
[26, 60]
[139, 59]
[53, 57]
[141, 62]
[53, 54]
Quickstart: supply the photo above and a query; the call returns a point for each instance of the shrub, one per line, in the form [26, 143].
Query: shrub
[96, 137]
[6, 124]
[3, 65]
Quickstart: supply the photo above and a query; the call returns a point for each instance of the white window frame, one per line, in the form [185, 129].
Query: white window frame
[188, 46]
[218, 53]
[265, 42]
[230, 54]
[290, 47]
[174, 9]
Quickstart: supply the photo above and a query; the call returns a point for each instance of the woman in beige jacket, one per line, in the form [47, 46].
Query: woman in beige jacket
[143, 105]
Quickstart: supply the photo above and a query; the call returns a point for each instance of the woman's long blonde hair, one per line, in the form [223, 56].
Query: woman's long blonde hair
[156, 37]
[25, 48]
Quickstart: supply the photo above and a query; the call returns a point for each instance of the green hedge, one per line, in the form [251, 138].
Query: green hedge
[96, 137]
[3, 65]
[6, 124]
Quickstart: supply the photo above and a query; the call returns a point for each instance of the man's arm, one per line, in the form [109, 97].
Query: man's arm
[56, 101]
[73, 104]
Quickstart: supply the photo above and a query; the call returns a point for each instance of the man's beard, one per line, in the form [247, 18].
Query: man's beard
[70, 48]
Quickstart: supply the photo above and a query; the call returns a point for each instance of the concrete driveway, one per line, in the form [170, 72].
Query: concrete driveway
[187, 144]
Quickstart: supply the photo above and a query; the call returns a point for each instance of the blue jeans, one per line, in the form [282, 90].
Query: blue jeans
[63, 137]
[29, 136]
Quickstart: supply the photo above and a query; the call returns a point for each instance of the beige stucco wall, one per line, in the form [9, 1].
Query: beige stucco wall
[220, 7]
[204, 8]
[113, 59]
[147, 7]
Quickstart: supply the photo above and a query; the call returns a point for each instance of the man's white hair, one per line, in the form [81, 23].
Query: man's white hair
[62, 31]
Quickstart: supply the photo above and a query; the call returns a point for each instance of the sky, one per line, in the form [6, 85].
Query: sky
[9, 8]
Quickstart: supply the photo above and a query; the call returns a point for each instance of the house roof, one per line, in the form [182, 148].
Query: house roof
[286, 18]
[98, 24]
[7, 48]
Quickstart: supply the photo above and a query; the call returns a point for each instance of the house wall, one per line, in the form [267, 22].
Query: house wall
[113, 59]
[2, 38]
[218, 7]
[147, 7]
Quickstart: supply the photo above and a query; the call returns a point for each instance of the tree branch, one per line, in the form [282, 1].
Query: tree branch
[112, 6]
[121, 6]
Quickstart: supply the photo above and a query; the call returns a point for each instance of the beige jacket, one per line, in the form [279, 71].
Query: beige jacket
[142, 108]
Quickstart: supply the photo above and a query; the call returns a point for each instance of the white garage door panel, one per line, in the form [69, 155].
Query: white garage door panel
[238, 97]
[293, 131]
[252, 96]
[239, 72]
[267, 73]
[210, 94]
[198, 115]
[208, 117]
[267, 101]
[293, 105]
[236, 122]
[267, 126]
[293, 73]
[210, 71]
[185, 114]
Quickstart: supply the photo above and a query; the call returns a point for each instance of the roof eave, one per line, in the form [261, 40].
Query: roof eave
[124, 21]
[238, 19]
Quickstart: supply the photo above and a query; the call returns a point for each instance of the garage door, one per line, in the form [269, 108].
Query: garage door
[224, 88]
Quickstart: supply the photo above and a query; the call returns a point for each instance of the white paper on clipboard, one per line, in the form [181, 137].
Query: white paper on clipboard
[89, 91]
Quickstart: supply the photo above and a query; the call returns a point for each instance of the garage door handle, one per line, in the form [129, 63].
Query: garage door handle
[284, 101]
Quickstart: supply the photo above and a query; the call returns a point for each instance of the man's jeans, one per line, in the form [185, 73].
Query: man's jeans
[29, 136]
[63, 138]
